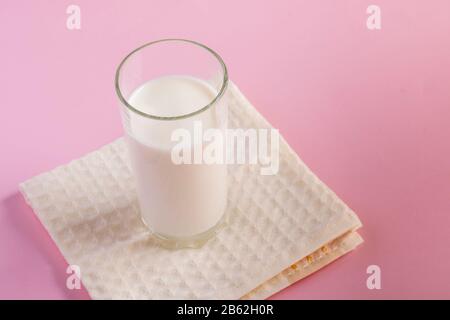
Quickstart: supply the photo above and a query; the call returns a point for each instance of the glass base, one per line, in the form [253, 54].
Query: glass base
[193, 242]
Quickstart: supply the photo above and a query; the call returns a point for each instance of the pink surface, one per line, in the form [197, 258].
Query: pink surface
[368, 111]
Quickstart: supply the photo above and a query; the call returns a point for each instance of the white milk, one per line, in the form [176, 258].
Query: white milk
[175, 200]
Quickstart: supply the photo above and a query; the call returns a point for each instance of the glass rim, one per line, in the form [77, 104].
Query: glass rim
[182, 116]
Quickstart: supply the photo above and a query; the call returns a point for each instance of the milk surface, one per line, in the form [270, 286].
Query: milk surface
[175, 200]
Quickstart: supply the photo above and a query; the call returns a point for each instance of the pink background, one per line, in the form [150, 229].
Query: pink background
[368, 111]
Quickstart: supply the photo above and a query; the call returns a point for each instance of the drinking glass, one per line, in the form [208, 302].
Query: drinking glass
[168, 88]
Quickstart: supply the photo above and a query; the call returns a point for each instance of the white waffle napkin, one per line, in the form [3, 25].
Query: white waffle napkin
[281, 228]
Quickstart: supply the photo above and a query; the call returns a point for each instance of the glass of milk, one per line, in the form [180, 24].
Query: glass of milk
[165, 87]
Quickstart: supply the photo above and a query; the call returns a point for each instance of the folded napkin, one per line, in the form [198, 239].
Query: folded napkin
[281, 227]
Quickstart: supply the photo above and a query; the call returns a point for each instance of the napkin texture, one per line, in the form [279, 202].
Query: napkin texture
[280, 228]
